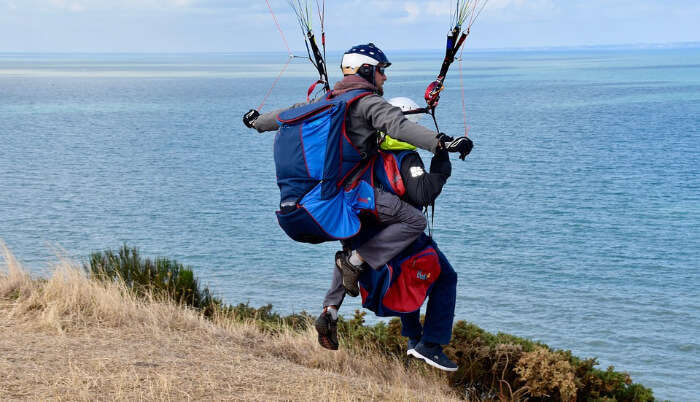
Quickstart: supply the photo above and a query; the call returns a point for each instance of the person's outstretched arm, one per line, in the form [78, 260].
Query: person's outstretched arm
[387, 118]
[266, 121]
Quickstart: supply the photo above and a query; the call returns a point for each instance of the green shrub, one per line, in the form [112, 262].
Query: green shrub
[264, 317]
[503, 366]
[161, 277]
[385, 338]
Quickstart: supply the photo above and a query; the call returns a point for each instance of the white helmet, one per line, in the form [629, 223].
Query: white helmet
[406, 104]
[391, 144]
[360, 55]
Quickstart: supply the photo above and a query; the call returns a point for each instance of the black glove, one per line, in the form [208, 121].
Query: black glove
[463, 145]
[443, 140]
[250, 117]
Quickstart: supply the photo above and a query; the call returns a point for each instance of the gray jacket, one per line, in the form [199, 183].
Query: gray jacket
[366, 117]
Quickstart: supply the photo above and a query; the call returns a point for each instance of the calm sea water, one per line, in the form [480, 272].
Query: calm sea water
[574, 221]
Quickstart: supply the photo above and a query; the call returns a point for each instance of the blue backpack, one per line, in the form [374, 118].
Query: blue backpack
[316, 164]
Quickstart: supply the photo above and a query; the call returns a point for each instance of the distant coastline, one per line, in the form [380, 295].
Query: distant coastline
[606, 47]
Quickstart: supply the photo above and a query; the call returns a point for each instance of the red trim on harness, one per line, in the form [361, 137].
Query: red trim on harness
[345, 135]
[361, 173]
[345, 115]
[350, 172]
[393, 174]
[374, 211]
[304, 116]
[363, 294]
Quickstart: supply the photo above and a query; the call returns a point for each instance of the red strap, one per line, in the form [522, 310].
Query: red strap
[311, 90]
[391, 167]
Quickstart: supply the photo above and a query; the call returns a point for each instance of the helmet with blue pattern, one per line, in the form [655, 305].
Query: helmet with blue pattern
[363, 60]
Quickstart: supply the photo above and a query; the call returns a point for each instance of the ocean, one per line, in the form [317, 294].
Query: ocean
[574, 221]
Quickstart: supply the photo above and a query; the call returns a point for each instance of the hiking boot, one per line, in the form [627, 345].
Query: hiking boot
[327, 328]
[412, 345]
[351, 273]
[433, 356]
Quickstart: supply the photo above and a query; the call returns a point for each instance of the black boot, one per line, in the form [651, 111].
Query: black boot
[351, 273]
[327, 328]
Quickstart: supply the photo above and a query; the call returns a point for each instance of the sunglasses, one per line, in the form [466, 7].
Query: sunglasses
[381, 69]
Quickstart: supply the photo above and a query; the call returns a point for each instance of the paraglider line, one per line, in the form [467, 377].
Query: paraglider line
[464, 105]
[476, 14]
[289, 60]
[289, 51]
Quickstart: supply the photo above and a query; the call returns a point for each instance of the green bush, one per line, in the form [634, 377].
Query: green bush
[493, 366]
[160, 277]
[264, 317]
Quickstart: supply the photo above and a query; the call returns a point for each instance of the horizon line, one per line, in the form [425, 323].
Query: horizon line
[620, 46]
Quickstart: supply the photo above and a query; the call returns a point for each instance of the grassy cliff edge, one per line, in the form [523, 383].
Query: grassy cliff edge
[124, 327]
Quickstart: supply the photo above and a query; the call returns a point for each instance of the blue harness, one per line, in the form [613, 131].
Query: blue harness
[314, 161]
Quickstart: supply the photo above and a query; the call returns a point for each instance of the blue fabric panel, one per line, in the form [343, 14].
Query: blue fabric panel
[325, 131]
[373, 285]
[402, 154]
[293, 189]
[350, 156]
[332, 172]
[380, 176]
[361, 198]
[292, 177]
[300, 226]
[314, 139]
[307, 155]
[335, 216]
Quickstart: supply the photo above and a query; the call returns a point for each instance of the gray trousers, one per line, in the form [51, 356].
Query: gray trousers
[404, 224]
[336, 293]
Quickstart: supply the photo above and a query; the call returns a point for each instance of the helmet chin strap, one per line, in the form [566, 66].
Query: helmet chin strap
[370, 78]
[367, 72]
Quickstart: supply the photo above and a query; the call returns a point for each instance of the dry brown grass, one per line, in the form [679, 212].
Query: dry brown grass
[71, 338]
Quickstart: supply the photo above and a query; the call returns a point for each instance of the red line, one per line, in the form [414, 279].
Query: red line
[478, 13]
[461, 83]
[278, 27]
[274, 83]
[321, 14]
[471, 14]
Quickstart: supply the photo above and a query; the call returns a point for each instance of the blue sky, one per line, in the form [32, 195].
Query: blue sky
[238, 25]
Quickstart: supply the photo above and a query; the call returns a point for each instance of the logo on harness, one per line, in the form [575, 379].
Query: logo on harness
[424, 277]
